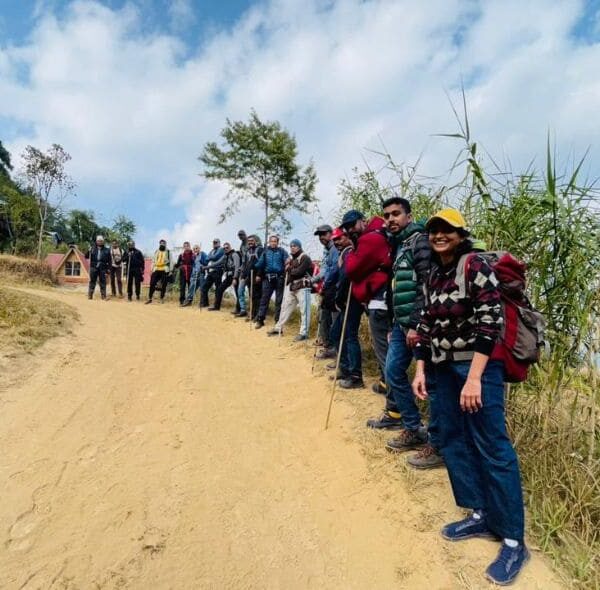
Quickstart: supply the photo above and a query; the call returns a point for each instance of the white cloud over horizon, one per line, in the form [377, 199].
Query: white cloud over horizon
[134, 108]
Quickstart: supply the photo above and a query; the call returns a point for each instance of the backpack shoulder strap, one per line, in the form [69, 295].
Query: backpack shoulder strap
[462, 269]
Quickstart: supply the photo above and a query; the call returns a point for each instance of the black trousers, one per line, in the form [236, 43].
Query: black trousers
[155, 277]
[134, 278]
[225, 283]
[212, 278]
[271, 284]
[184, 283]
[97, 275]
[115, 276]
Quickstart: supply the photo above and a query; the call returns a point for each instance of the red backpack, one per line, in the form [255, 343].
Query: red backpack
[523, 331]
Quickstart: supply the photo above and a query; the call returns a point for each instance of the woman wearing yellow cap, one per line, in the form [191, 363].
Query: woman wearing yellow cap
[459, 328]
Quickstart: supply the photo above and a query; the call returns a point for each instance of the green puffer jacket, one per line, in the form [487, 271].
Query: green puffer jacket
[409, 274]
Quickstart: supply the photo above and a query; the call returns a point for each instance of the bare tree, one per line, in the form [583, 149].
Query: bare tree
[45, 177]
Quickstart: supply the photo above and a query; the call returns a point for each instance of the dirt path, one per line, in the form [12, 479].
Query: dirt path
[168, 448]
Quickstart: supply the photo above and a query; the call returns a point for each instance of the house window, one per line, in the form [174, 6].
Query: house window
[73, 269]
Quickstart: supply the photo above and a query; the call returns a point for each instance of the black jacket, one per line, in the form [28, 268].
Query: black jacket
[99, 258]
[299, 268]
[136, 259]
[250, 259]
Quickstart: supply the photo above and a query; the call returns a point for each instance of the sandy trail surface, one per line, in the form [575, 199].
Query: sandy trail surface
[164, 448]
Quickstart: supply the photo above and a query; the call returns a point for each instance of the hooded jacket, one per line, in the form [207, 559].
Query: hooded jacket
[369, 264]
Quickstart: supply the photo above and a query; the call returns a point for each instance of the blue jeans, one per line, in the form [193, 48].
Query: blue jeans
[482, 463]
[241, 295]
[351, 358]
[400, 397]
[196, 283]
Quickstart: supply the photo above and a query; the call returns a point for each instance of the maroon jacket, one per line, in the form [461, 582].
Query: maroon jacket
[369, 264]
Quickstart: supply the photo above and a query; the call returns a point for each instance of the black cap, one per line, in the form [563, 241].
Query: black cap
[323, 229]
[351, 217]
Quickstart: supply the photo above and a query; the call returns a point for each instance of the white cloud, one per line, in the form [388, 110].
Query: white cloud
[134, 108]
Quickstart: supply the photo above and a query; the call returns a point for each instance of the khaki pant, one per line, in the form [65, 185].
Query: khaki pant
[292, 299]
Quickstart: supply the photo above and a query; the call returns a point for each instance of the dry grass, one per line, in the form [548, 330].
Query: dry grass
[27, 321]
[16, 270]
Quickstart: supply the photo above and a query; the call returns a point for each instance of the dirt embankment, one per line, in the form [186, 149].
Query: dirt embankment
[166, 448]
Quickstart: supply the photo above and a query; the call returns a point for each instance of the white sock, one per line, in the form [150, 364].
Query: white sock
[511, 543]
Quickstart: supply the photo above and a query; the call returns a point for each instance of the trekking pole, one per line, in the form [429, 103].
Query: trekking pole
[339, 355]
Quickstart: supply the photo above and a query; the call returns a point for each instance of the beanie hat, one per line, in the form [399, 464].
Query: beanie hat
[296, 242]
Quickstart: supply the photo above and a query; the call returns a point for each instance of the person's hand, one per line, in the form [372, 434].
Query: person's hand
[412, 338]
[470, 396]
[235, 282]
[419, 385]
[258, 279]
[389, 337]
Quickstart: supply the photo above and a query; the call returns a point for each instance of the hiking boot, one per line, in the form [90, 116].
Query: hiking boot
[426, 458]
[339, 375]
[213, 309]
[352, 383]
[273, 332]
[407, 440]
[129, 299]
[327, 353]
[300, 338]
[186, 303]
[507, 566]
[385, 422]
[241, 314]
[148, 302]
[259, 324]
[380, 387]
[468, 528]
[331, 366]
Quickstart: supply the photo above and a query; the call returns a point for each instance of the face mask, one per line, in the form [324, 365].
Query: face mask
[162, 247]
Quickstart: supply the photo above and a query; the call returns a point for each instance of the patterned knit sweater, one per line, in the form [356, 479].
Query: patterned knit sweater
[451, 327]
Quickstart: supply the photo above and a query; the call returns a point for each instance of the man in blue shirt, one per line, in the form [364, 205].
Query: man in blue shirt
[270, 268]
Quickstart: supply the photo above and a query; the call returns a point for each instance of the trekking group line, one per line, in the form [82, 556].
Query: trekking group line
[433, 296]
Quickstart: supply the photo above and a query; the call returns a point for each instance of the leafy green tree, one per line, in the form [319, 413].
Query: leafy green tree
[122, 230]
[82, 227]
[258, 161]
[45, 177]
[5, 163]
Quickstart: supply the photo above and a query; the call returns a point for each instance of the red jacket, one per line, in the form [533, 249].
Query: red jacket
[369, 264]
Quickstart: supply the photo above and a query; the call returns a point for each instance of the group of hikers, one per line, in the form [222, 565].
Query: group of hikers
[430, 296]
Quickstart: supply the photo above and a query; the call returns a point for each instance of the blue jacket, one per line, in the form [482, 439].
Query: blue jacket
[272, 261]
[200, 261]
[216, 259]
[329, 270]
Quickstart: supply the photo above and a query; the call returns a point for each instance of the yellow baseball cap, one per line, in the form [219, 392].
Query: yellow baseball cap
[452, 217]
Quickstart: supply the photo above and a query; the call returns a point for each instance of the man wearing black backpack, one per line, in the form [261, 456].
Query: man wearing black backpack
[270, 267]
[100, 262]
[231, 269]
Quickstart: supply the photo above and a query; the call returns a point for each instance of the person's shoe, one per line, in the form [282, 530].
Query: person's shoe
[352, 383]
[259, 324]
[507, 566]
[273, 332]
[129, 299]
[213, 309]
[426, 458]
[241, 314]
[468, 528]
[380, 387]
[407, 440]
[148, 302]
[137, 297]
[186, 303]
[300, 338]
[385, 422]
[327, 353]
[331, 366]
[339, 376]
[90, 296]
[162, 300]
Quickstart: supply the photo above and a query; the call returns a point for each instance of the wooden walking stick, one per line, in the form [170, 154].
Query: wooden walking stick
[285, 284]
[251, 296]
[339, 355]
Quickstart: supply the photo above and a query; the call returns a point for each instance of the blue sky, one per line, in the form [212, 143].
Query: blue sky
[133, 90]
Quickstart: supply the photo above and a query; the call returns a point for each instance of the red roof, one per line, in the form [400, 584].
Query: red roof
[55, 259]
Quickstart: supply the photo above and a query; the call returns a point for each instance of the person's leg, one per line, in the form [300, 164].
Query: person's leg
[351, 340]
[325, 324]
[208, 283]
[163, 284]
[153, 282]
[290, 302]
[268, 286]
[182, 285]
[496, 462]
[241, 296]
[113, 278]
[92, 285]
[129, 285]
[379, 325]
[279, 287]
[102, 281]
[220, 290]
[138, 285]
[463, 466]
[433, 427]
[120, 281]
[304, 301]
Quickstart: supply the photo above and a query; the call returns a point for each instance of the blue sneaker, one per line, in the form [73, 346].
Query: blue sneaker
[507, 565]
[468, 528]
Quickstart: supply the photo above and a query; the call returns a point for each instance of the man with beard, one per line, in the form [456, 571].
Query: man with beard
[214, 271]
[100, 262]
[247, 276]
[134, 270]
[271, 267]
[161, 268]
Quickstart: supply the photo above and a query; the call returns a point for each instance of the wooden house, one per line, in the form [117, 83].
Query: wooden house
[70, 268]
